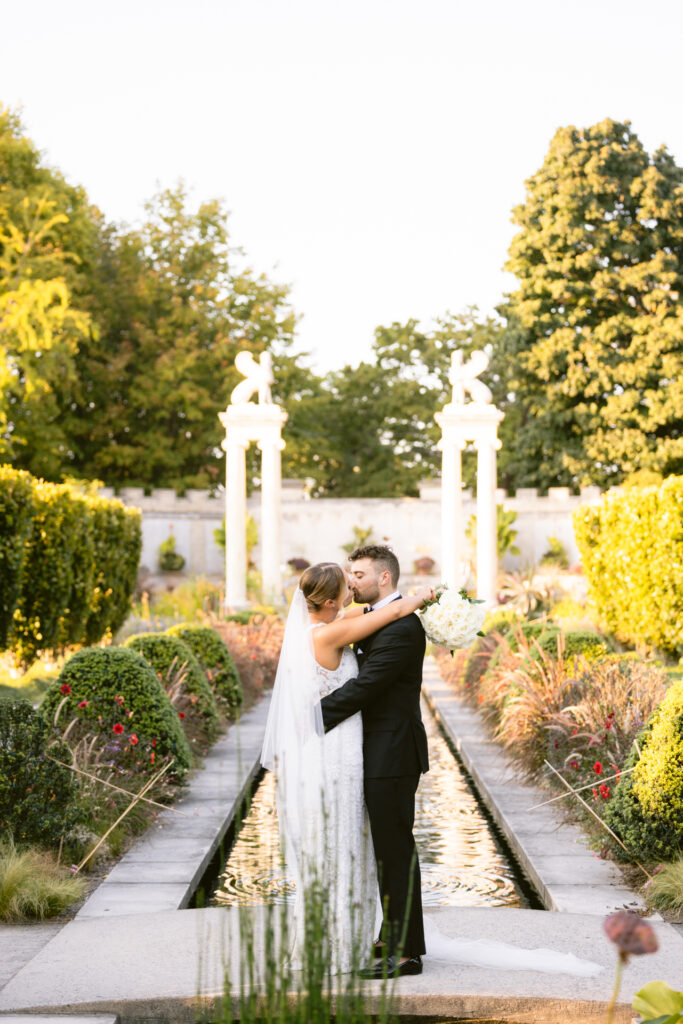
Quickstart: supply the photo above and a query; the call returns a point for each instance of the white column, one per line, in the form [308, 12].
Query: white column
[270, 519]
[487, 526]
[451, 510]
[235, 523]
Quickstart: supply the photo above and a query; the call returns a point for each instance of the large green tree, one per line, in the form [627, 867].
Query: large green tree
[370, 430]
[174, 306]
[595, 327]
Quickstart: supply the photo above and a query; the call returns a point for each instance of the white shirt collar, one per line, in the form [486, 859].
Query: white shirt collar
[385, 600]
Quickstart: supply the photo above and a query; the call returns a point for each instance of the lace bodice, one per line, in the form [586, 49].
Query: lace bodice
[330, 679]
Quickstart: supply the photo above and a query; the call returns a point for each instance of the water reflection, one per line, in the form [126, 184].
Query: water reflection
[460, 860]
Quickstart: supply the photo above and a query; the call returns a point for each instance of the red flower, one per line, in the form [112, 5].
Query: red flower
[605, 792]
[66, 689]
[574, 764]
[152, 757]
[119, 700]
[597, 768]
[181, 714]
[595, 793]
[118, 728]
[154, 743]
[83, 703]
[608, 724]
[133, 740]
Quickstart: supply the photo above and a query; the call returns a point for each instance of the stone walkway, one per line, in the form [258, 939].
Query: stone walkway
[157, 966]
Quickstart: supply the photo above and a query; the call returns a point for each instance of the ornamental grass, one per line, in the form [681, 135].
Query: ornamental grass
[665, 890]
[33, 886]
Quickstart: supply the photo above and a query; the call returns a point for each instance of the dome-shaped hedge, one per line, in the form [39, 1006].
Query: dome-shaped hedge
[161, 651]
[646, 811]
[103, 684]
[37, 796]
[215, 658]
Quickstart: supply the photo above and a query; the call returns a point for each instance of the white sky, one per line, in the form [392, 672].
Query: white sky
[370, 150]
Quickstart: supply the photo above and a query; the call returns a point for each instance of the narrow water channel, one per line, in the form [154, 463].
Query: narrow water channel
[462, 862]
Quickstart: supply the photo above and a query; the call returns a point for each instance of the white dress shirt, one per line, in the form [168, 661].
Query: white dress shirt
[385, 600]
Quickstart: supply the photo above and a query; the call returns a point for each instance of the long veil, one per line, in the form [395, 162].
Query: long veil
[293, 741]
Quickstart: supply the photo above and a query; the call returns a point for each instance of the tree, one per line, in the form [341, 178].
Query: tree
[46, 233]
[595, 326]
[174, 309]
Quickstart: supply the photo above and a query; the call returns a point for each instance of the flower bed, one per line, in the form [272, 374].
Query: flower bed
[582, 714]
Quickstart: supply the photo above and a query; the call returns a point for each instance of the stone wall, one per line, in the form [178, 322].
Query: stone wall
[315, 528]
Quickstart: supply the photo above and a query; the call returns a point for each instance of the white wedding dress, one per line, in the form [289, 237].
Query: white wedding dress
[323, 819]
[340, 835]
[321, 806]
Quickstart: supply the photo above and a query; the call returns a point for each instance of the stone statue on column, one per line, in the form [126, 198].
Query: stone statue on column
[462, 421]
[246, 421]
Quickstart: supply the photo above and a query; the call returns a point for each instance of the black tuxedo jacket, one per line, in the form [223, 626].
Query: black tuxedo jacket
[387, 692]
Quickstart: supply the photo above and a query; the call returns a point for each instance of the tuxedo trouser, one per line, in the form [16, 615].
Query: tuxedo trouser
[391, 809]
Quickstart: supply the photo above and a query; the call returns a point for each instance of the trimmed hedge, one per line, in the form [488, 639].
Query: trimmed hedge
[68, 565]
[631, 548]
[37, 797]
[117, 539]
[214, 657]
[160, 650]
[646, 811]
[96, 677]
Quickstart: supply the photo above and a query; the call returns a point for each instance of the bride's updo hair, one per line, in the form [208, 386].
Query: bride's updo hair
[320, 583]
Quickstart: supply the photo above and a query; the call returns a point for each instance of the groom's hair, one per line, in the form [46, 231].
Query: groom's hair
[383, 556]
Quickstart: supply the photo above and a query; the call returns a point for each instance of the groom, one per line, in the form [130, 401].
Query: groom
[387, 691]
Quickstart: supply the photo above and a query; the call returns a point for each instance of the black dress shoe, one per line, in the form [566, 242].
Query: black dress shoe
[391, 968]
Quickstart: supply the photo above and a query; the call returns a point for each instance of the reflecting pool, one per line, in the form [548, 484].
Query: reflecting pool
[462, 863]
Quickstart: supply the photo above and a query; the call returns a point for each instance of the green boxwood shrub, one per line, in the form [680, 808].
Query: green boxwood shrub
[577, 643]
[16, 516]
[646, 811]
[161, 650]
[95, 677]
[631, 548]
[214, 657]
[37, 797]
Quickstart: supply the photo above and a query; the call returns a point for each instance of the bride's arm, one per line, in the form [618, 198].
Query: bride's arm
[348, 630]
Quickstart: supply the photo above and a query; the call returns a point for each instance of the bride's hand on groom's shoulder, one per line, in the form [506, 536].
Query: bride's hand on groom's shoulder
[425, 593]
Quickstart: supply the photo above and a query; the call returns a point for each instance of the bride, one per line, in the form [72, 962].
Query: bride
[320, 801]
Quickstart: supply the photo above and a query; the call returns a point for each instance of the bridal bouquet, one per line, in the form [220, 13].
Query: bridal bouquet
[452, 619]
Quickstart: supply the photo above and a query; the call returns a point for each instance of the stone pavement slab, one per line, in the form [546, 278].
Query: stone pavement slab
[53, 1018]
[19, 943]
[162, 869]
[553, 853]
[161, 966]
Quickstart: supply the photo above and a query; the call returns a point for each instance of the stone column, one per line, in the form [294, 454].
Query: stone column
[487, 520]
[270, 519]
[451, 508]
[235, 522]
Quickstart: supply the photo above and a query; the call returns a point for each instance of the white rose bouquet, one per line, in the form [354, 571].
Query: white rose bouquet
[452, 619]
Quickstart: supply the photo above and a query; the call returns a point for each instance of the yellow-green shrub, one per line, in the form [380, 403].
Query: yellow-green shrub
[16, 514]
[68, 565]
[646, 811]
[631, 547]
